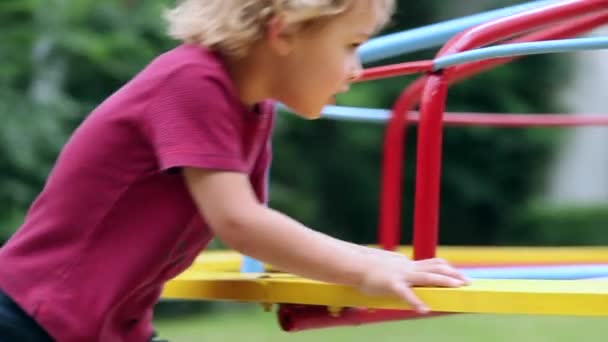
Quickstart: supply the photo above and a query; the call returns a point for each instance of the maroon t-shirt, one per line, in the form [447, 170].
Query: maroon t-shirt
[115, 220]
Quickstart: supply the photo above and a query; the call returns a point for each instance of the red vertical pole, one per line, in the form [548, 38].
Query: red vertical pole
[428, 167]
[391, 186]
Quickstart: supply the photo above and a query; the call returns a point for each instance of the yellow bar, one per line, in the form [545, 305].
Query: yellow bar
[539, 297]
[461, 256]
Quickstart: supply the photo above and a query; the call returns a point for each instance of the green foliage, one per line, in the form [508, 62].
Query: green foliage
[564, 224]
[487, 174]
[60, 59]
[30, 137]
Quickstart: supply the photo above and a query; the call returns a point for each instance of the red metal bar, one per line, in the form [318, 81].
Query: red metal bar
[391, 195]
[426, 206]
[564, 30]
[294, 317]
[396, 70]
[392, 170]
[428, 167]
[309, 317]
[517, 120]
[506, 27]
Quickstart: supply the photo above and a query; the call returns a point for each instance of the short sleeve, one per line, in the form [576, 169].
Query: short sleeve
[260, 178]
[192, 121]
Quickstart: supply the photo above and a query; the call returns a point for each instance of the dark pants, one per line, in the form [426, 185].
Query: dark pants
[17, 326]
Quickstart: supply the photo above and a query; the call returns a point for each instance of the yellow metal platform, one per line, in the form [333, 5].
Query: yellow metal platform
[461, 256]
[215, 276]
[540, 297]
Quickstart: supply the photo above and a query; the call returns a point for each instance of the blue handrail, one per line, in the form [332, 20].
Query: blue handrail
[434, 35]
[376, 115]
[519, 49]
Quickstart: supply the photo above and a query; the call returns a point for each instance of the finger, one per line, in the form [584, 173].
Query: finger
[435, 262]
[432, 261]
[445, 270]
[404, 292]
[398, 255]
[433, 279]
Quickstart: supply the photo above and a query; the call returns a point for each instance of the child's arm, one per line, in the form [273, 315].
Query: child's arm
[229, 205]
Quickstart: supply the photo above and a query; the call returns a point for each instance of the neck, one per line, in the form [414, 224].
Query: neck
[248, 77]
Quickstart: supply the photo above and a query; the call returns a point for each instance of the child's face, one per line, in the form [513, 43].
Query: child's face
[323, 60]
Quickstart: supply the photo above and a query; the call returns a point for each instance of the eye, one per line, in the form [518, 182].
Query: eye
[354, 46]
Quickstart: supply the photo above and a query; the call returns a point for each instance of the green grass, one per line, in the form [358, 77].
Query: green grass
[251, 324]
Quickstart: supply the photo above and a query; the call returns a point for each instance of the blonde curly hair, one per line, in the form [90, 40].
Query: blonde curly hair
[233, 26]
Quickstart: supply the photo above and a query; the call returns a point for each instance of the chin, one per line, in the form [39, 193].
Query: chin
[305, 112]
[309, 113]
[310, 116]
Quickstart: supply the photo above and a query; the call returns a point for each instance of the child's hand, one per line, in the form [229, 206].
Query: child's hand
[394, 275]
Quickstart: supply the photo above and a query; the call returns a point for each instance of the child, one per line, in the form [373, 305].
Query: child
[180, 154]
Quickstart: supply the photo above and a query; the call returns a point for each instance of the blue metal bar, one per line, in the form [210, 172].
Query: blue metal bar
[425, 37]
[554, 272]
[405, 42]
[375, 115]
[519, 49]
[357, 114]
[251, 265]
[414, 40]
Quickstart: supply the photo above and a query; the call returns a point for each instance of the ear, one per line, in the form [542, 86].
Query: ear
[278, 37]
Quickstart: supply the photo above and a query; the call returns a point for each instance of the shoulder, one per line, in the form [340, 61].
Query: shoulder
[187, 65]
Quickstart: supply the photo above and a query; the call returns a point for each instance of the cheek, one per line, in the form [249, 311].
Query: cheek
[318, 78]
[330, 64]
[328, 77]
[335, 67]
[307, 93]
[311, 81]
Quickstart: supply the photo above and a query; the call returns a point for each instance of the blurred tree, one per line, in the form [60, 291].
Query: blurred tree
[61, 58]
